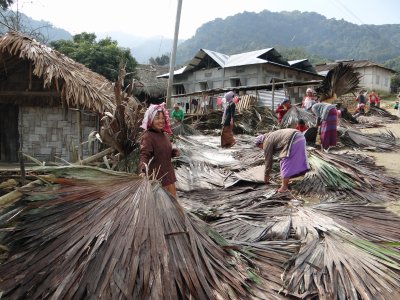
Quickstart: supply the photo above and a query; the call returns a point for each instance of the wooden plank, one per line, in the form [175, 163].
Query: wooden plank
[30, 93]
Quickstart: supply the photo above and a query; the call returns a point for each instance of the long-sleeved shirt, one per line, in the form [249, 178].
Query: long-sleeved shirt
[277, 142]
[177, 115]
[155, 146]
[281, 110]
[229, 113]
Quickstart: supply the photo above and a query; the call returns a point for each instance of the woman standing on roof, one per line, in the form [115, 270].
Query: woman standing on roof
[156, 149]
[227, 139]
[290, 145]
[327, 119]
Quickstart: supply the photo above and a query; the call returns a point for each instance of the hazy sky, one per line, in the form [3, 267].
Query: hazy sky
[157, 17]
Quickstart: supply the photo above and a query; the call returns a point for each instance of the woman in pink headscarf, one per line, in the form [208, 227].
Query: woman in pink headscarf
[156, 149]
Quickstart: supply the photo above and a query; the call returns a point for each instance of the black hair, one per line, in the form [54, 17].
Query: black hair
[301, 122]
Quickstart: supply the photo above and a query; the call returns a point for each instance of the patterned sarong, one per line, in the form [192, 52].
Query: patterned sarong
[296, 163]
[329, 130]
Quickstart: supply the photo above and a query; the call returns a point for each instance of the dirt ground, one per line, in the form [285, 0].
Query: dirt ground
[390, 160]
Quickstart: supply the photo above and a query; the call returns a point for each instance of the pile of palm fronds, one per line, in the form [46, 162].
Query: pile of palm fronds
[340, 247]
[347, 177]
[294, 114]
[249, 121]
[256, 119]
[383, 141]
[113, 236]
[381, 112]
[341, 80]
[183, 129]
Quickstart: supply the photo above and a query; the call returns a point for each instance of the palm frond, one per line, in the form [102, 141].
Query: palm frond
[347, 177]
[124, 237]
[184, 129]
[383, 141]
[341, 80]
[336, 263]
[294, 114]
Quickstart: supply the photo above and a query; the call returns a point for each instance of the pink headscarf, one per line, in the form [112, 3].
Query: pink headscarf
[151, 112]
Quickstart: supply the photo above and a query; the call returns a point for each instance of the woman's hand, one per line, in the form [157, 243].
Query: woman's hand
[175, 152]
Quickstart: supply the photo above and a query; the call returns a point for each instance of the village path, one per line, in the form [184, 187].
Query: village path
[390, 160]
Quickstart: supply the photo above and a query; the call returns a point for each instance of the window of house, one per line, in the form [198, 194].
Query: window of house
[235, 82]
[386, 81]
[377, 79]
[203, 85]
[179, 89]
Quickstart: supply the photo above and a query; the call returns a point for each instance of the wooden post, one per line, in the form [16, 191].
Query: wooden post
[79, 129]
[273, 94]
[173, 54]
[20, 155]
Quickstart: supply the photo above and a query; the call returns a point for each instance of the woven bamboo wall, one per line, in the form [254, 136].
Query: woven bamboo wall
[48, 133]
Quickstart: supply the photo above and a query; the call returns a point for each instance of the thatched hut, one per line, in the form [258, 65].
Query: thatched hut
[48, 102]
[152, 89]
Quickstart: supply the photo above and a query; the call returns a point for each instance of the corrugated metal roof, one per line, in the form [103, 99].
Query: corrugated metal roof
[293, 62]
[247, 58]
[354, 63]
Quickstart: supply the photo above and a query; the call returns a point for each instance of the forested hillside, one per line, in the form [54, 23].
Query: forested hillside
[41, 30]
[315, 34]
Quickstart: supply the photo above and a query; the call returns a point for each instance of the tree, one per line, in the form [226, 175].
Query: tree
[160, 60]
[5, 4]
[15, 20]
[103, 57]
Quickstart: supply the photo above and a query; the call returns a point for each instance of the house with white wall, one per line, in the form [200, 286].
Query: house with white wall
[374, 76]
[210, 70]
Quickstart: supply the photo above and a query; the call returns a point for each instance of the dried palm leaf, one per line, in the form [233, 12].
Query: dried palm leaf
[294, 114]
[342, 79]
[381, 112]
[336, 263]
[115, 237]
[347, 177]
[249, 121]
[184, 129]
[383, 141]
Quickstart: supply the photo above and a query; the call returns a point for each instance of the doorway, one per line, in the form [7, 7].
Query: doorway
[9, 138]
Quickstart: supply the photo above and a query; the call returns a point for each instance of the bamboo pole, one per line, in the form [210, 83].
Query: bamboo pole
[96, 156]
[13, 196]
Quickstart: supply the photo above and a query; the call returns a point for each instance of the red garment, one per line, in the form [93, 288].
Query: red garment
[301, 128]
[281, 110]
[374, 98]
[156, 146]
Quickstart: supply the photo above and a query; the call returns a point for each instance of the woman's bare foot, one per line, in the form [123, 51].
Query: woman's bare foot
[283, 190]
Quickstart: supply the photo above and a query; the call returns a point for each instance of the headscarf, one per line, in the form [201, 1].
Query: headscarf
[229, 96]
[259, 139]
[284, 100]
[151, 112]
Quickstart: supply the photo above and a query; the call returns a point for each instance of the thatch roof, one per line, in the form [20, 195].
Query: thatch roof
[152, 86]
[75, 82]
